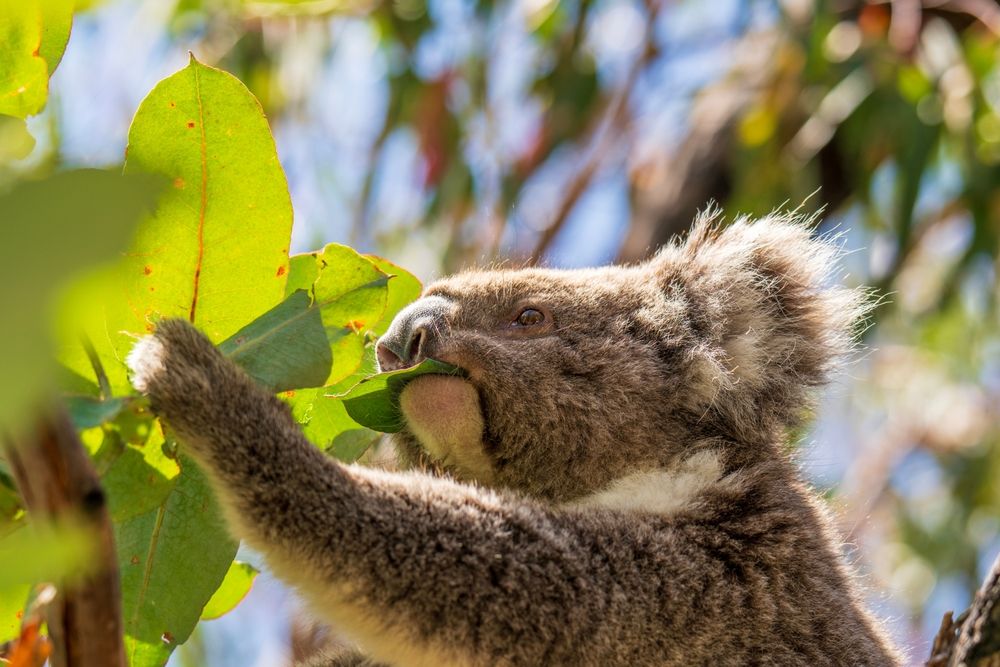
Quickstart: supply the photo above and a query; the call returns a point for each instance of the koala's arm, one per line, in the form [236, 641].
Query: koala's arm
[423, 570]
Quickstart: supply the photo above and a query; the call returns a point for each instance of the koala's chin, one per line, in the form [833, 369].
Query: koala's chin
[444, 415]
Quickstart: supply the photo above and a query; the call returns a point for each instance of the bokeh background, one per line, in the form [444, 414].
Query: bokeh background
[451, 133]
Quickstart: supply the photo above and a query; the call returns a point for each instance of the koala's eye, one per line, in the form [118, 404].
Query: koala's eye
[529, 317]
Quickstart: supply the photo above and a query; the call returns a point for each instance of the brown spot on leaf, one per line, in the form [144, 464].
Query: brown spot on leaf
[134, 560]
[179, 183]
[290, 393]
[356, 326]
[19, 614]
[152, 289]
[147, 269]
[149, 328]
[172, 105]
[190, 124]
[281, 271]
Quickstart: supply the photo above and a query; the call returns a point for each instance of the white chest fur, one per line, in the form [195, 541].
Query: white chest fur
[664, 491]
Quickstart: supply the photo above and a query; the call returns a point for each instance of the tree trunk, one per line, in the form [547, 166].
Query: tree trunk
[973, 639]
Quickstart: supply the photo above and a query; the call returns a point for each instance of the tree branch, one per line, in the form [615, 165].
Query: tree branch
[58, 482]
[973, 640]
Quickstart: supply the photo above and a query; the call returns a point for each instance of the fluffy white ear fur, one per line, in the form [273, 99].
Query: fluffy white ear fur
[769, 321]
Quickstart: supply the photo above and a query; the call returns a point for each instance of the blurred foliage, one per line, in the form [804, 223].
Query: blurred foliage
[513, 118]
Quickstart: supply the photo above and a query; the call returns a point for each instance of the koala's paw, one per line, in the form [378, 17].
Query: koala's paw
[145, 362]
[177, 363]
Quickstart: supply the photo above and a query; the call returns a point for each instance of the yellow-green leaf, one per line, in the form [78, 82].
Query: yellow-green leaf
[11, 610]
[403, 288]
[57, 20]
[38, 553]
[24, 74]
[91, 213]
[350, 292]
[33, 36]
[238, 582]
[216, 250]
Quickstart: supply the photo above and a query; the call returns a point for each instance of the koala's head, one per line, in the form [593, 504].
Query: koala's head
[578, 377]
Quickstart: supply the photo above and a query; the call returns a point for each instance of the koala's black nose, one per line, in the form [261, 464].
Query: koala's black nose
[413, 332]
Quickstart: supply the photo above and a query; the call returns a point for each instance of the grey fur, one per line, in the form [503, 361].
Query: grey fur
[712, 347]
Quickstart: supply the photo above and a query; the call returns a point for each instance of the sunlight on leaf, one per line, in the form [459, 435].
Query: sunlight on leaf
[239, 579]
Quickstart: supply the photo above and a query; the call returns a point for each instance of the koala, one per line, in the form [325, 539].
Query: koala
[609, 484]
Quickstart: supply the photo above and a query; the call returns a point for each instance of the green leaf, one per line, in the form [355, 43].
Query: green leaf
[285, 348]
[90, 213]
[216, 250]
[12, 603]
[403, 289]
[239, 579]
[303, 270]
[140, 478]
[323, 417]
[348, 446]
[24, 74]
[350, 292]
[15, 140]
[172, 560]
[87, 412]
[36, 553]
[374, 402]
[57, 21]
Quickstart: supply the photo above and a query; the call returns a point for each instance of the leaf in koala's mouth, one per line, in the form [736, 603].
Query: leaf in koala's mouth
[374, 402]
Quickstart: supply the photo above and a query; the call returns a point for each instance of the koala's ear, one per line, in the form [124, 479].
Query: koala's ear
[765, 319]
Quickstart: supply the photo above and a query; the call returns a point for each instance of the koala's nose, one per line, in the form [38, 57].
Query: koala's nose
[413, 332]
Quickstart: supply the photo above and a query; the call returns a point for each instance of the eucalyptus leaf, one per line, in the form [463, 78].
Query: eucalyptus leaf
[88, 412]
[172, 560]
[24, 74]
[216, 250]
[140, 479]
[321, 415]
[216, 253]
[404, 288]
[57, 21]
[37, 553]
[12, 603]
[351, 293]
[348, 446]
[286, 347]
[238, 582]
[374, 402]
[90, 213]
